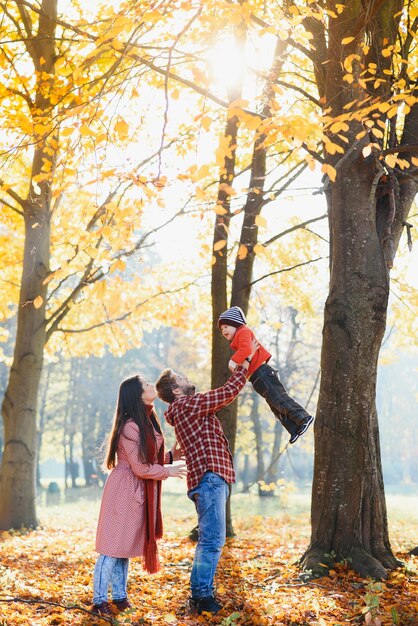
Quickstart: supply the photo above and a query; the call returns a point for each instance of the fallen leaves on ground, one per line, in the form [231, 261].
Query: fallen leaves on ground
[258, 580]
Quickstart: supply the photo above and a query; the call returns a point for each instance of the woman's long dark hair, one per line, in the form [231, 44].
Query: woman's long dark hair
[130, 406]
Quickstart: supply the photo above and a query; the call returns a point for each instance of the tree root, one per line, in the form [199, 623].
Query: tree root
[366, 565]
[316, 563]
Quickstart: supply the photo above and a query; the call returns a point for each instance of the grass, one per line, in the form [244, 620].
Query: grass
[402, 509]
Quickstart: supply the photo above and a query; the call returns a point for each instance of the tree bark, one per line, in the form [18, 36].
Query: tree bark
[18, 468]
[349, 519]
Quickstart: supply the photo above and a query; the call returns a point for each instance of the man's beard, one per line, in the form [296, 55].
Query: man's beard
[189, 390]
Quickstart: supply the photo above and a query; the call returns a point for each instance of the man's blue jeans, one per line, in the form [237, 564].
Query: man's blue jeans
[210, 500]
[110, 571]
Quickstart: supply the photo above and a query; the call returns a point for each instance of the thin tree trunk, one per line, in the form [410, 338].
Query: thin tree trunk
[246, 473]
[272, 474]
[259, 445]
[220, 348]
[241, 280]
[42, 415]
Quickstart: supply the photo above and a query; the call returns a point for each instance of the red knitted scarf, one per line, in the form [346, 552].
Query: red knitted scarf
[153, 523]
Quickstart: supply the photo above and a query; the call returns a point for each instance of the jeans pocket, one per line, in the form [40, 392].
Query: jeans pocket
[260, 387]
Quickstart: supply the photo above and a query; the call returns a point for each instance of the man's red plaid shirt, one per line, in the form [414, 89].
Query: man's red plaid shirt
[199, 432]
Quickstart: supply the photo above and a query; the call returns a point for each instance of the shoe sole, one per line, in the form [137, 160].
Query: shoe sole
[305, 427]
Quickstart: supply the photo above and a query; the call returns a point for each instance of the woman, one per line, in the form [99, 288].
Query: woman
[130, 514]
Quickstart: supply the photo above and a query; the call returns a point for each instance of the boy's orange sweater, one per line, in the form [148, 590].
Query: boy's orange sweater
[242, 343]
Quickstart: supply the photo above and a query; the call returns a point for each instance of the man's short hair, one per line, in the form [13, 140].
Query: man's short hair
[165, 385]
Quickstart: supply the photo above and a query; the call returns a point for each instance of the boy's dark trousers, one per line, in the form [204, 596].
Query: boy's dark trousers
[266, 383]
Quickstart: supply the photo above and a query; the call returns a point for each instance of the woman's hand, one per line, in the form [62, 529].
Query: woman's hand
[177, 471]
[177, 452]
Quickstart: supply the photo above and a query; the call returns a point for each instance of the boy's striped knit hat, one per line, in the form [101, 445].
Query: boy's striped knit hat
[233, 317]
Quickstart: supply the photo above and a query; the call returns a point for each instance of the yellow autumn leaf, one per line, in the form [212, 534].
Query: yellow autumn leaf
[122, 128]
[203, 172]
[206, 121]
[227, 189]
[219, 245]
[377, 133]
[259, 249]
[260, 220]
[390, 160]
[330, 171]
[85, 131]
[117, 44]
[200, 193]
[347, 40]
[92, 252]
[38, 302]
[26, 124]
[106, 231]
[169, 618]
[118, 265]
[67, 131]
[242, 252]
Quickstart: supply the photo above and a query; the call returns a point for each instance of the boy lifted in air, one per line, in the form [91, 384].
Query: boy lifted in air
[263, 377]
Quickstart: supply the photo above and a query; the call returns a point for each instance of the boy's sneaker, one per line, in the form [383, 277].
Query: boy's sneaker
[122, 605]
[103, 608]
[207, 604]
[305, 425]
[294, 437]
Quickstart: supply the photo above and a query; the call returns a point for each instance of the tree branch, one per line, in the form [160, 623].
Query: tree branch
[123, 317]
[67, 607]
[23, 203]
[290, 230]
[286, 269]
[12, 207]
[411, 148]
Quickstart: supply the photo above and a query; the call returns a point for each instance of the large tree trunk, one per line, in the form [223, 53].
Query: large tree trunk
[348, 505]
[18, 468]
[349, 517]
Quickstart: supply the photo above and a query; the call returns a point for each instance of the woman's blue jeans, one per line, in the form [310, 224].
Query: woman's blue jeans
[210, 500]
[110, 570]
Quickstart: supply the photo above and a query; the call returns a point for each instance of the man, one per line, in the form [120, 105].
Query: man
[210, 468]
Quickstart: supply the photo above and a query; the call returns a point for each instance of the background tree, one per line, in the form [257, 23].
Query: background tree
[58, 106]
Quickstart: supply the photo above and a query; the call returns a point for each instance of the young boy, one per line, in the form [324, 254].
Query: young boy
[263, 377]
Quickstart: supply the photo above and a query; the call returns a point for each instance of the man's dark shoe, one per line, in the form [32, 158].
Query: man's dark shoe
[305, 425]
[294, 438]
[122, 605]
[103, 608]
[207, 604]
